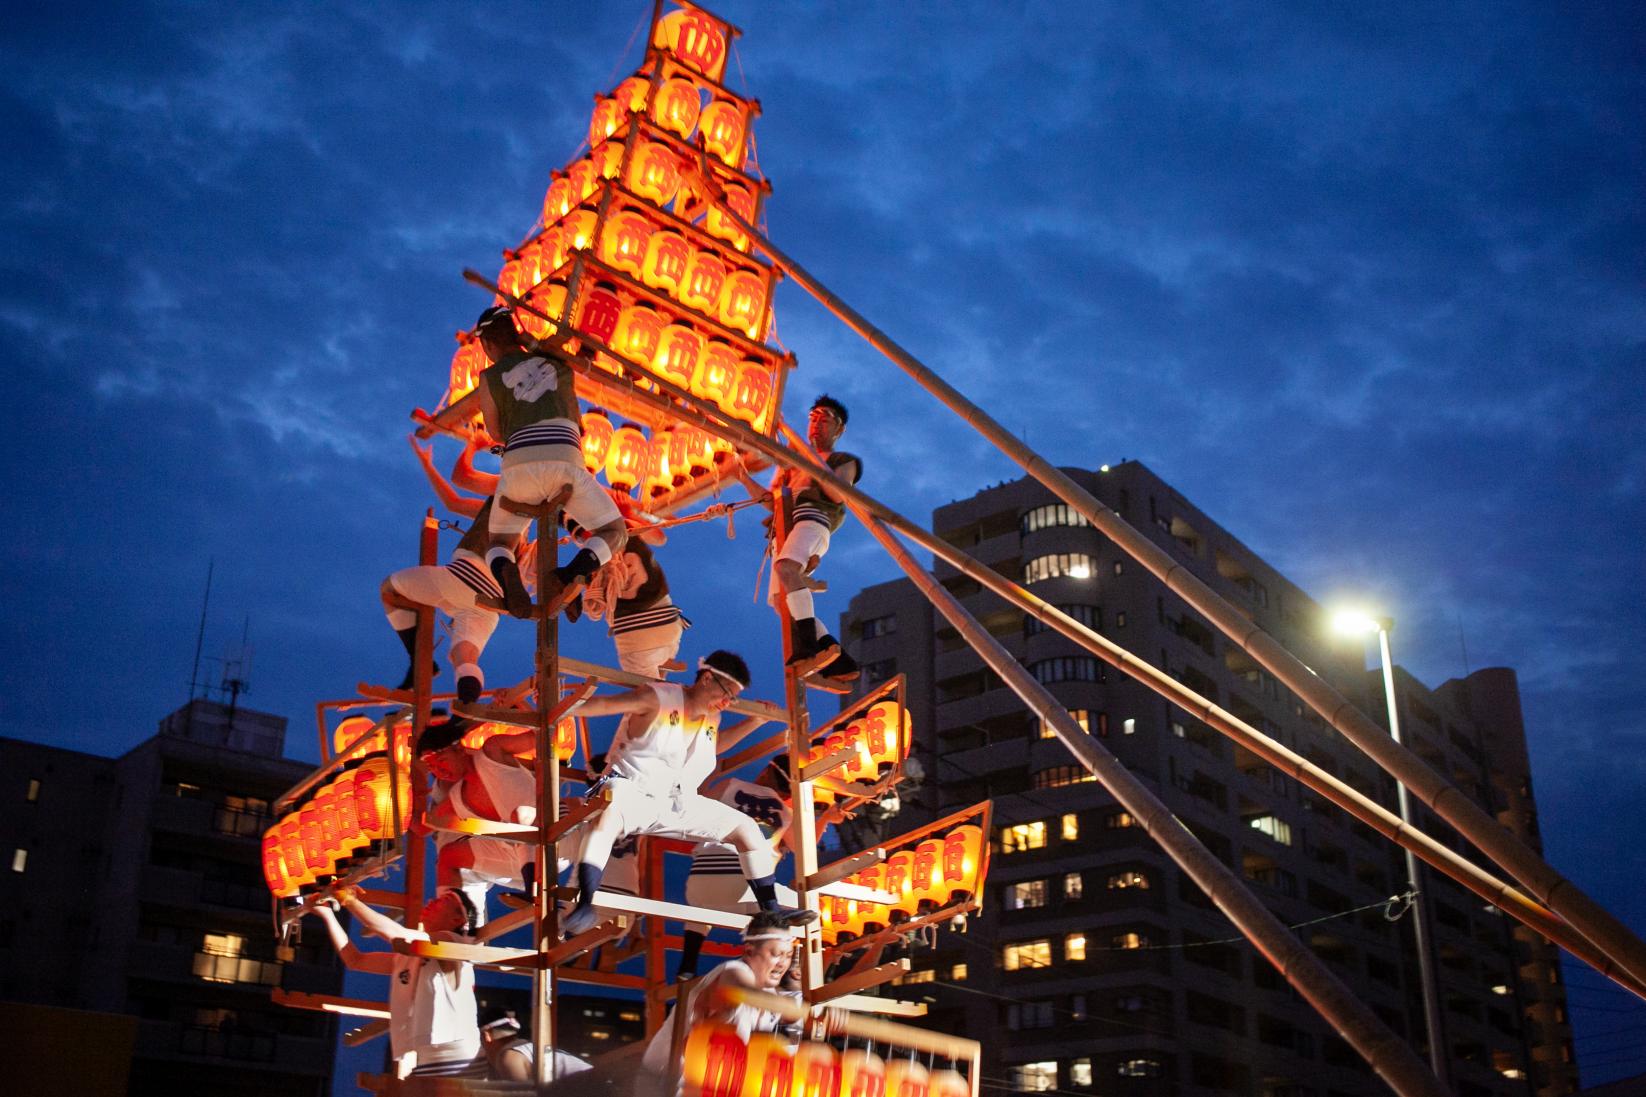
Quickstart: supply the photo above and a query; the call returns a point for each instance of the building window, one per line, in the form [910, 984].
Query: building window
[880, 626]
[1074, 565]
[1068, 668]
[1119, 820]
[1074, 947]
[1072, 886]
[19, 860]
[1274, 827]
[1052, 514]
[1025, 1015]
[241, 816]
[1077, 1006]
[1025, 895]
[1081, 717]
[924, 975]
[878, 671]
[1071, 827]
[1022, 836]
[33, 793]
[1080, 1072]
[1131, 939]
[1120, 618]
[1090, 616]
[1122, 880]
[1034, 1077]
[1139, 1068]
[1059, 776]
[220, 961]
[1026, 954]
[958, 973]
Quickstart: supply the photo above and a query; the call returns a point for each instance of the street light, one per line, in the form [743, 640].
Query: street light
[1359, 623]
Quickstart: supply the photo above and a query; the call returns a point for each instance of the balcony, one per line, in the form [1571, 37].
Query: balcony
[228, 1047]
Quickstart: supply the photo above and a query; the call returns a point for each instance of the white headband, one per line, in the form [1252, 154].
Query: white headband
[773, 935]
[704, 664]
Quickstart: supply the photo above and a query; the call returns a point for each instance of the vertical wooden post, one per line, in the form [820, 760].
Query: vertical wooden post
[650, 858]
[413, 873]
[545, 984]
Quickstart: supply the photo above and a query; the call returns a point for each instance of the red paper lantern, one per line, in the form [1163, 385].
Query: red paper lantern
[948, 1083]
[274, 866]
[927, 882]
[639, 332]
[627, 456]
[656, 476]
[608, 116]
[577, 230]
[314, 847]
[623, 244]
[548, 298]
[695, 39]
[582, 179]
[900, 882]
[597, 440]
[962, 862]
[705, 277]
[862, 1074]
[679, 455]
[599, 314]
[743, 303]
[508, 278]
[754, 394]
[608, 160]
[676, 106]
[677, 354]
[699, 450]
[558, 201]
[906, 1078]
[874, 915]
[716, 376]
[722, 127]
[740, 200]
[770, 1072]
[667, 255]
[816, 1071]
[654, 173]
[714, 1061]
[632, 93]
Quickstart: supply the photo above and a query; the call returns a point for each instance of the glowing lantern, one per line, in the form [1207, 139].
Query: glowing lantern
[743, 302]
[348, 816]
[714, 1061]
[291, 852]
[948, 1083]
[627, 456]
[927, 882]
[771, 1068]
[667, 254]
[274, 867]
[676, 106]
[962, 860]
[886, 735]
[699, 455]
[906, 1078]
[534, 264]
[639, 332]
[597, 440]
[656, 477]
[632, 93]
[559, 200]
[582, 179]
[314, 848]
[565, 738]
[874, 915]
[466, 366]
[705, 276]
[549, 298]
[374, 802]
[816, 1071]
[723, 449]
[716, 375]
[623, 244]
[577, 233]
[739, 200]
[344, 735]
[754, 394]
[695, 39]
[837, 913]
[599, 314]
[608, 160]
[608, 116]
[679, 453]
[900, 882]
[677, 353]
[862, 1074]
[654, 172]
[722, 126]
[331, 838]
[508, 278]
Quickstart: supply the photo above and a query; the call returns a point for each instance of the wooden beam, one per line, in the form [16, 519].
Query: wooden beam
[508, 923]
[858, 980]
[329, 1003]
[827, 764]
[869, 1003]
[679, 912]
[371, 1030]
[764, 709]
[573, 947]
[844, 867]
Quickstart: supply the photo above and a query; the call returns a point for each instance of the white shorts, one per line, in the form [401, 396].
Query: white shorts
[496, 860]
[729, 892]
[645, 650]
[684, 815]
[440, 588]
[535, 481]
[805, 540]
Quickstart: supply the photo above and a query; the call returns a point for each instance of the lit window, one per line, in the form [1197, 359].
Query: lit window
[1061, 776]
[1034, 1077]
[34, 790]
[1119, 820]
[958, 973]
[1119, 618]
[1119, 567]
[1501, 988]
[1022, 896]
[1077, 1006]
[1081, 717]
[1075, 565]
[1052, 514]
[1121, 880]
[223, 944]
[1074, 946]
[1023, 836]
[599, 1034]
[1080, 1072]
[1139, 1068]
[1072, 885]
[1026, 954]
[1274, 827]
[629, 1015]
[1129, 726]
[1071, 827]
[925, 975]
[19, 860]
[1129, 940]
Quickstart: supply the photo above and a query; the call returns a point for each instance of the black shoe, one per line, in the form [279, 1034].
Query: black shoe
[793, 917]
[468, 689]
[810, 653]
[515, 598]
[574, 608]
[843, 668]
[564, 586]
[580, 920]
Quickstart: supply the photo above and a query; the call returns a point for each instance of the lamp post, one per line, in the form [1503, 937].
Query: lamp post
[1359, 624]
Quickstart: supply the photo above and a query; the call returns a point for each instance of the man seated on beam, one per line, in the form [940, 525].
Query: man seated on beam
[652, 777]
[528, 398]
[431, 1002]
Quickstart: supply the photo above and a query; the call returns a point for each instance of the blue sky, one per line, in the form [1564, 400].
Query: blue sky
[1365, 283]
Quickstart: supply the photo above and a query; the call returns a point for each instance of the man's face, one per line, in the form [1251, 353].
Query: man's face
[448, 764]
[823, 427]
[717, 692]
[444, 912]
[769, 960]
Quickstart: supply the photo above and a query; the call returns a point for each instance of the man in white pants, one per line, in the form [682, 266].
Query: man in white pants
[528, 398]
[652, 777]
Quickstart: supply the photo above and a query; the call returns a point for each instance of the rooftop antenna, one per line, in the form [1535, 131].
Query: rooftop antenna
[199, 639]
[1462, 643]
[237, 670]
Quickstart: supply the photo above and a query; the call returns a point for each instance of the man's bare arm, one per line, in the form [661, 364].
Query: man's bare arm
[469, 478]
[448, 496]
[730, 737]
[640, 701]
[375, 922]
[377, 963]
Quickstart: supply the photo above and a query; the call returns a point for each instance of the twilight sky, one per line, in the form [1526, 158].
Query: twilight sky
[1363, 282]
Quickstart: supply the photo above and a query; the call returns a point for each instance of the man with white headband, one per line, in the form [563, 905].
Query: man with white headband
[652, 776]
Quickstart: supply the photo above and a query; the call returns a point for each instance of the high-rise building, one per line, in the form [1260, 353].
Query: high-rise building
[133, 886]
[1096, 965]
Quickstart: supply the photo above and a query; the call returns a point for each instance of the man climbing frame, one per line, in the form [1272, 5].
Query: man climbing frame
[652, 777]
[528, 398]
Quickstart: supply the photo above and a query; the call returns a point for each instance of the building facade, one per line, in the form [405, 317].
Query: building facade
[133, 887]
[1096, 965]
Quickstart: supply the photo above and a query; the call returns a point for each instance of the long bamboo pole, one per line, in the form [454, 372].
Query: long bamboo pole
[1511, 900]
[1607, 933]
[1387, 1054]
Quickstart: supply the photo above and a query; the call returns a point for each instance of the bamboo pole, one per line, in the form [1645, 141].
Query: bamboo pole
[1509, 899]
[1394, 1062]
[1607, 933]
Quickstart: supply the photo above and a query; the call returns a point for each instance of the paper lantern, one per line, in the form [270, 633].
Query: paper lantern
[886, 728]
[962, 862]
[274, 866]
[581, 179]
[816, 1070]
[577, 230]
[862, 1074]
[699, 457]
[558, 200]
[837, 915]
[608, 160]
[608, 116]
[724, 451]
[348, 816]
[667, 254]
[597, 440]
[466, 367]
[740, 200]
[742, 303]
[291, 853]
[716, 376]
[927, 883]
[906, 1078]
[624, 461]
[599, 313]
[714, 1061]
[948, 1083]
[754, 394]
[632, 93]
[508, 278]
[722, 127]
[679, 455]
[900, 882]
[677, 352]
[874, 916]
[548, 298]
[639, 334]
[705, 277]
[695, 39]
[654, 172]
[676, 106]
[565, 738]
[623, 243]
[345, 735]
[314, 849]
[770, 1072]
[331, 836]
[656, 478]
[375, 800]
